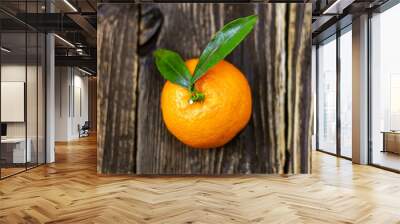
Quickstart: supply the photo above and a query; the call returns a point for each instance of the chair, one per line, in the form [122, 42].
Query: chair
[84, 130]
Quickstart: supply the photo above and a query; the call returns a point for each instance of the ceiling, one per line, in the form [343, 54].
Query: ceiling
[332, 15]
[75, 23]
[16, 42]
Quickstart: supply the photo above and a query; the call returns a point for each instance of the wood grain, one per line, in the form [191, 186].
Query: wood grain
[275, 57]
[92, 107]
[70, 191]
[117, 83]
[299, 111]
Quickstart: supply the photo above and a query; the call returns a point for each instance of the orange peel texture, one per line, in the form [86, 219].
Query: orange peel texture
[217, 119]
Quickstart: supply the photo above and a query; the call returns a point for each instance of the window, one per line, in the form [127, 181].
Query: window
[346, 92]
[385, 89]
[22, 78]
[327, 96]
[333, 106]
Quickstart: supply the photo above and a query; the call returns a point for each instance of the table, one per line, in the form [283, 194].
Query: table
[391, 141]
[13, 150]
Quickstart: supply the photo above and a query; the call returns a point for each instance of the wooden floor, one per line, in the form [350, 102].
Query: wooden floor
[386, 159]
[69, 191]
[5, 172]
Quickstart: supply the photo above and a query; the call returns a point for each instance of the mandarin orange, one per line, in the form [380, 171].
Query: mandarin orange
[224, 112]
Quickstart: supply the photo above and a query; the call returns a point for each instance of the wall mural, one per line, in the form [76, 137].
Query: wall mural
[204, 88]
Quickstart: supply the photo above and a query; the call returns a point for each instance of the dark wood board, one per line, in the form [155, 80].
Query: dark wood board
[275, 57]
[117, 41]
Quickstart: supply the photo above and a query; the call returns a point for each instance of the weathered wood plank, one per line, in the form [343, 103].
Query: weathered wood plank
[261, 147]
[305, 108]
[158, 151]
[117, 84]
[299, 87]
[275, 58]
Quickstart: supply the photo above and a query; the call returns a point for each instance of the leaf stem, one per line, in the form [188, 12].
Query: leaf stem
[196, 96]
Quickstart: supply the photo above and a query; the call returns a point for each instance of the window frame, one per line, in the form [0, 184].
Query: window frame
[381, 9]
[334, 37]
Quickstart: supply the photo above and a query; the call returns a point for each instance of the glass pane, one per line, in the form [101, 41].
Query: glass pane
[32, 87]
[22, 89]
[327, 96]
[13, 87]
[314, 94]
[31, 97]
[385, 86]
[346, 94]
[41, 98]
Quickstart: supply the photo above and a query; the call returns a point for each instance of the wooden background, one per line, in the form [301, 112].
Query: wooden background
[276, 58]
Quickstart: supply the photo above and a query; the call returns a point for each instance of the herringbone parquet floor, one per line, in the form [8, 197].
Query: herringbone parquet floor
[69, 191]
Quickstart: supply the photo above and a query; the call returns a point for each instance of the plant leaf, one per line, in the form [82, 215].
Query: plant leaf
[172, 67]
[223, 43]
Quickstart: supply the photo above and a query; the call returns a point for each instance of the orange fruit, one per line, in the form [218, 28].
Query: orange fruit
[225, 110]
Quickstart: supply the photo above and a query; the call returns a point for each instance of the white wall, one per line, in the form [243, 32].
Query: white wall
[16, 73]
[62, 81]
[9, 73]
[13, 72]
[33, 127]
[71, 102]
[80, 110]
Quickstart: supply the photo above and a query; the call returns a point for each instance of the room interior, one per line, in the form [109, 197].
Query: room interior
[25, 65]
[85, 142]
[22, 102]
[385, 88]
[335, 92]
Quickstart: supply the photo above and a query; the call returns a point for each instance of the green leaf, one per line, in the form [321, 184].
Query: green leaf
[172, 67]
[223, 43]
